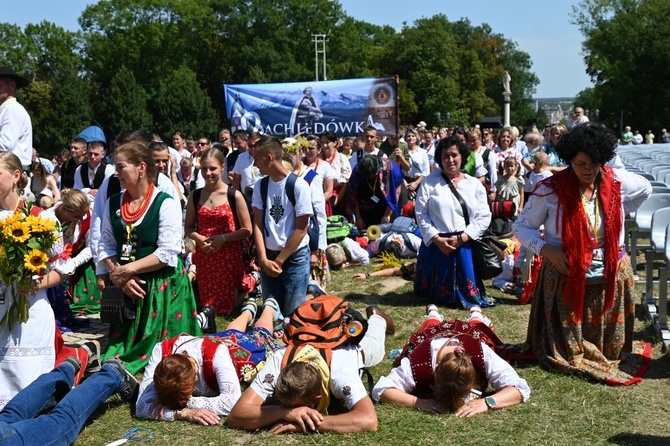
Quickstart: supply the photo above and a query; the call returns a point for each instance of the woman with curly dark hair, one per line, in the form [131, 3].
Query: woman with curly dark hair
[583, 308]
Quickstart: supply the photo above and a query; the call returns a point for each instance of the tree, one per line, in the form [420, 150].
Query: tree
[68, 114]
[183, 105]
[626, 44]
[126, 104]
[425, 58]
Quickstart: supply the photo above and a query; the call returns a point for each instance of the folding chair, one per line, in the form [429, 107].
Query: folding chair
[643, 223]
[659, 223]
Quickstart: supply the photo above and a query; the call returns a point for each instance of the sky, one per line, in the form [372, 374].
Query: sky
[540, 28]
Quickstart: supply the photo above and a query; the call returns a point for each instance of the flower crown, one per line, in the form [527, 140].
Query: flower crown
[295, 145]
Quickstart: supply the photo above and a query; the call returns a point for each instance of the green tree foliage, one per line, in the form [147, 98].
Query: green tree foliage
[126, 104]
[162, 63]
[69, 113]
[626, 46]
[425, 58]
[455, 68]
[57, 97]
[183, 105]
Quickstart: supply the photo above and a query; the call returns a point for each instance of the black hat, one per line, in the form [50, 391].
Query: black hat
[21, 81]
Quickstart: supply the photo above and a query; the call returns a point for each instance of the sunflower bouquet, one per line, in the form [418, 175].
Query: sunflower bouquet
[25, 241]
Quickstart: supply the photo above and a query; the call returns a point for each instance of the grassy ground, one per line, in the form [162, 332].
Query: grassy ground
[562, 410]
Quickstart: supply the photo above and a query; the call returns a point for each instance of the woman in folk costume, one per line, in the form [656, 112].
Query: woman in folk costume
[446, 365]
[197, 379]
[75, 218]
[33, 347]
[140, 244]
[583, 308]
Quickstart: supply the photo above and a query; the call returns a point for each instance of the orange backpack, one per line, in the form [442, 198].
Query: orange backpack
[324, 323]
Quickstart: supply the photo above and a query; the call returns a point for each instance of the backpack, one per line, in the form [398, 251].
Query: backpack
[338, 228]
[313, 224]
[324, 323]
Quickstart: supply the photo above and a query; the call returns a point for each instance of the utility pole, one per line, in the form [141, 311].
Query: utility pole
[319, 48]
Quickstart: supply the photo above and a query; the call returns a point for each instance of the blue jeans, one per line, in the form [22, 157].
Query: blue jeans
[62, 425]
[290, 287]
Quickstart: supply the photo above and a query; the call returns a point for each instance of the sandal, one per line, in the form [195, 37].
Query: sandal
[251, 306]
[279, 317]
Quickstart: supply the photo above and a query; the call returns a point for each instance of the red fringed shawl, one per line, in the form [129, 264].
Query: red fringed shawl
[577, 241]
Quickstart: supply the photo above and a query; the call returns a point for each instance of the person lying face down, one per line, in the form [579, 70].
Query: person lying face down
[304, 386]
[197, 379]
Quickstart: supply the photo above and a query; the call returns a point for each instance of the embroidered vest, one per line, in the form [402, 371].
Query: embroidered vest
[208, 350]
[417, 350]
[146, 233]
[97, 179]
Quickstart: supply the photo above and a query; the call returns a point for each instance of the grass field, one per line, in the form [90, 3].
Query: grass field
[562, 410]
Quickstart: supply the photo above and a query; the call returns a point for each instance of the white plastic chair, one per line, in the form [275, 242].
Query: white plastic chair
[659, 223]
[643, 217]
[661, 324]
[659, 167]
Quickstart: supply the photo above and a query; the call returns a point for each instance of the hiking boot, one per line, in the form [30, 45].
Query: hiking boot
[74, 362]
[93, 349]
[372, 309]
[129, 388]
[315, 289]
[210, 316]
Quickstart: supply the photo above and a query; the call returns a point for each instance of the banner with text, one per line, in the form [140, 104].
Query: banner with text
[344, 107]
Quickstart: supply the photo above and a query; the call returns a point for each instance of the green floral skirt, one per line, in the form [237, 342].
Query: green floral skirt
[167, 310]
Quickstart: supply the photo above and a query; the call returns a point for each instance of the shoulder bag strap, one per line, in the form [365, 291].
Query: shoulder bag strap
[458, 197]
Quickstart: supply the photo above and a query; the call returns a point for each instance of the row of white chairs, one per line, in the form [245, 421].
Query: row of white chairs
[652, 220]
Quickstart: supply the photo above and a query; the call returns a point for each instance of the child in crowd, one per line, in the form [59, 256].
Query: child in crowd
[347, 251]
[510, 184]
[540, 171]
[452, 362]
[506, 281]
[189, 249]
[347, 145]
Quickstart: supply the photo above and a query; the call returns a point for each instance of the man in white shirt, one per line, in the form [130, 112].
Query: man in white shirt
[370, 138]
[300, 386]
[245, 174]
[282, 206]
[89, 176]
[16, 129]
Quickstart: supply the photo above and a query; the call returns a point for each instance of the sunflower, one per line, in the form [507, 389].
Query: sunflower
[18, 231]
[40, 224]
[3, 253]
[11, 219]
[36, 261]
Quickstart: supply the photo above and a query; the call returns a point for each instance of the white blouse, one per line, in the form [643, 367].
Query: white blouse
[542, 209]
[169, 232]
[438, 210]
[341, 169]
[220, 403]
[499, 373]
[419, 164]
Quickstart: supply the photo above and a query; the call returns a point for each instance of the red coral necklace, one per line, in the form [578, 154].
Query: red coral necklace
[130, 216]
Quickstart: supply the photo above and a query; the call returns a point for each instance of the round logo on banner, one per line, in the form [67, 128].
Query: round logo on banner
[252, 122]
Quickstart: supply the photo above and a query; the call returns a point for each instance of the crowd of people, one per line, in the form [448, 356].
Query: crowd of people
[198, 229]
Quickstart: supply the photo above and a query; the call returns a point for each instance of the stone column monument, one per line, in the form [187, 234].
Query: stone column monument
[507, 93]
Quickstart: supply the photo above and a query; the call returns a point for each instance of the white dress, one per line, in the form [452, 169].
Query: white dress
[27, 350]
